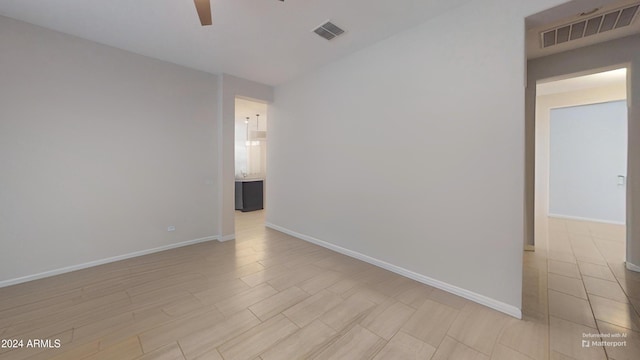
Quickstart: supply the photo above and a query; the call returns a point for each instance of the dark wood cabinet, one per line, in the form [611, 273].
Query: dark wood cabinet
[249, 195]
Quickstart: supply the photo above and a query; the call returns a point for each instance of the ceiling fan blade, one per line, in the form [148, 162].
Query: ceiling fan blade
[204, 11]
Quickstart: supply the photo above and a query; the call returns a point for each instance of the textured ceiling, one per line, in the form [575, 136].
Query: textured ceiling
[262, 40]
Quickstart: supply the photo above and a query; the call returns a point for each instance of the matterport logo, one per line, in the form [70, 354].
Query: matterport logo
[604, 340]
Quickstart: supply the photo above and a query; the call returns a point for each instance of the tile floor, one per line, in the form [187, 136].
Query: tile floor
[576, 283]
[270, 296]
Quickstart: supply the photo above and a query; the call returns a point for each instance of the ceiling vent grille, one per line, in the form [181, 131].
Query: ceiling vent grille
[328, 30]
[594, 25]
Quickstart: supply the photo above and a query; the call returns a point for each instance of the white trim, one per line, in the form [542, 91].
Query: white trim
[470, 295]
[226, 237]
[586, 219]
[71, 268]
[632, 267]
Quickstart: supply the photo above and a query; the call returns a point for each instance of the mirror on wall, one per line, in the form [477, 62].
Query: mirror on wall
[250, 139]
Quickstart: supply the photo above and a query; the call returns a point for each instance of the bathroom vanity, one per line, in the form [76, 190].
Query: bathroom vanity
[249, 194]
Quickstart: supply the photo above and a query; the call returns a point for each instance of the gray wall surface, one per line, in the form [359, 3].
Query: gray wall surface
[588, 151]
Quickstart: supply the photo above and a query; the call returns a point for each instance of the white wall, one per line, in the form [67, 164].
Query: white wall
[100, 151]
[443, 201]
[588, 150]
[544, 104]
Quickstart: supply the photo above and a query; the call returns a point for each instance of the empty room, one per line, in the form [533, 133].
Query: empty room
[317, 179]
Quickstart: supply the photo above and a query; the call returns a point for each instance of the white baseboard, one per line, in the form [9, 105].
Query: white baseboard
[226, 237]
[470, 295]
[67, 269]
[632, 267]
[568, 217]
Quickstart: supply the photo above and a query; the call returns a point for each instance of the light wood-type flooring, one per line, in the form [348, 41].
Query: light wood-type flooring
[270, 296]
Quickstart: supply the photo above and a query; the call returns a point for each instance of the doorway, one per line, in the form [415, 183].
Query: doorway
[250, 153]
[580, 166]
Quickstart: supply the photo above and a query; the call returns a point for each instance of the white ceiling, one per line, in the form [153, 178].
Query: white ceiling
[247, 108]
[613, 77]
[262, 40]
[567, 13]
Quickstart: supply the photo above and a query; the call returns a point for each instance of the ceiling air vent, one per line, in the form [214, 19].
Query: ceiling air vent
[594, 25]
[328, 30]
